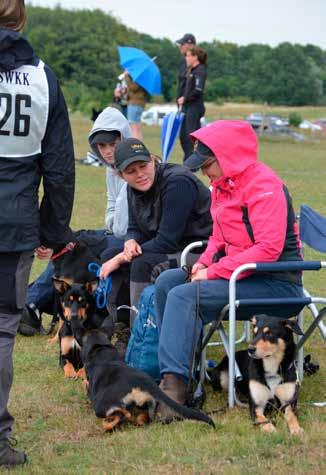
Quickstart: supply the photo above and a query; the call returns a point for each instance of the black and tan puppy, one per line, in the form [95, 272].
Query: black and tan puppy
[269, 371]
[119, 393]
[75, 286]
[77, 302]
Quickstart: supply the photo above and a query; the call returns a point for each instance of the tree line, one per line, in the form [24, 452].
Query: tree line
[81, 47]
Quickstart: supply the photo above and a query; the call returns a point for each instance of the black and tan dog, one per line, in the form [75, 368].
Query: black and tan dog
[75, 287]
[269, 372]
[118, 392]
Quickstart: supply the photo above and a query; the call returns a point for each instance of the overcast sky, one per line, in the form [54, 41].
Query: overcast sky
[238, 21]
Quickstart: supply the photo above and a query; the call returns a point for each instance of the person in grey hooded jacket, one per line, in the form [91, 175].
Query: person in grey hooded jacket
[108, 130]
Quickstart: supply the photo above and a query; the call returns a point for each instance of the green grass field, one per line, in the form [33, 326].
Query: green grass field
[54, 421]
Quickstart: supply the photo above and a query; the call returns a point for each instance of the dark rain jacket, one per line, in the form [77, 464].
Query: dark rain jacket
[174, 212]
[35, 144]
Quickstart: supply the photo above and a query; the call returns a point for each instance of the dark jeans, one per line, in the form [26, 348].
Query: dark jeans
[191, 122]
[14, 274]
[41, 292]
[176, 302]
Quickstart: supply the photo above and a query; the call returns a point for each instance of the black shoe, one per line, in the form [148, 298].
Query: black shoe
[31, 322]
[10, 457]
[121, 337]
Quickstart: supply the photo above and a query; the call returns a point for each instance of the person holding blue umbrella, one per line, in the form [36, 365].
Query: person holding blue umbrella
[137, 98]
[143, 79]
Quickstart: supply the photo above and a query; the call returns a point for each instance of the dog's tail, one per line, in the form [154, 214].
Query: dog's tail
[185, 412]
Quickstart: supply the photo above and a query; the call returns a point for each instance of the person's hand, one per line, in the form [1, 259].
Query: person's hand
[196, 267]
[113, 264]
[201, 274]
[181, 101]
[43, 253]
[132, 249]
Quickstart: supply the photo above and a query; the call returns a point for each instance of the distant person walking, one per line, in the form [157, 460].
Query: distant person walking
[121, 95]
[192, 101]
[35, 144]
[137, 98]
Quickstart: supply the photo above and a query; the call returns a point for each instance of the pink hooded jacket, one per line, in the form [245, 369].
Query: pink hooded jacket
[245, 183]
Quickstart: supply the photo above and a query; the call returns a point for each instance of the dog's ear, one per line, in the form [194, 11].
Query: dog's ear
[91, 286]
[60, 285]
[293, 326]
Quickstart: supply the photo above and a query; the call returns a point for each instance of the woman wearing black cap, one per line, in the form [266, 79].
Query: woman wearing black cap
[192, 100]
[168, 209]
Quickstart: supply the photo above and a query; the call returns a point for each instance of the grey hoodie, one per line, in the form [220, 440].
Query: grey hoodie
[116, 215]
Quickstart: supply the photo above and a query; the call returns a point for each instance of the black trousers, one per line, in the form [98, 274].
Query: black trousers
[14, 274]
[191, 122]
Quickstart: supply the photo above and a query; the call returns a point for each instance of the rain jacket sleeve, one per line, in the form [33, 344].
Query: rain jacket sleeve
[57, 165]
[267, 210]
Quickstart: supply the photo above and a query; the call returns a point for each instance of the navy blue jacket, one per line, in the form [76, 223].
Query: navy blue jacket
[35, 143]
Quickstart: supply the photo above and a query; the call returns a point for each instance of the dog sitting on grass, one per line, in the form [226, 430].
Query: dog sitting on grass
[75, 286]
[118, 392]
[269, 374]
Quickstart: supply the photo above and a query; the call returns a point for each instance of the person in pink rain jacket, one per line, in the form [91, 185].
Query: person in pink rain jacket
[253, 221]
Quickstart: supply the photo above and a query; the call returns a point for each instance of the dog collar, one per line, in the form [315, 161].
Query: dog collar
[68, 247]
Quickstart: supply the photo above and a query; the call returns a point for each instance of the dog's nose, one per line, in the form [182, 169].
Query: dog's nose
[251, 350]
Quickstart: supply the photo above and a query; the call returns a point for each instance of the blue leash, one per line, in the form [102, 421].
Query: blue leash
[104, 287]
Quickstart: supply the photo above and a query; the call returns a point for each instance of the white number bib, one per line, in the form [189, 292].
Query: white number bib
[24, 109]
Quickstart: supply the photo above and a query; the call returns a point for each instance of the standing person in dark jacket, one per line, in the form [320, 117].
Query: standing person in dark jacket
[35, 144]
[187, 41]
[192, 102]
[168, 208]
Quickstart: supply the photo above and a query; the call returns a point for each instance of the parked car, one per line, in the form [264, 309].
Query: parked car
[155, 114]
[307, 125]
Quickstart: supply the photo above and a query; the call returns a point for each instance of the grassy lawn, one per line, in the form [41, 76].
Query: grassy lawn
[54, 421]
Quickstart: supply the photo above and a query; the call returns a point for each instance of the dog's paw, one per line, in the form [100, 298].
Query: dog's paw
[268, 428]
[69, 371]
[296, 430]
[81, 373]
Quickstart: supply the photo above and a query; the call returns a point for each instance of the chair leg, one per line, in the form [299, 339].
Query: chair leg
[300, 355]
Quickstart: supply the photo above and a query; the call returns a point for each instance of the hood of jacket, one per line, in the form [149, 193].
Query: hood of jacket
[234, 144]
[109, 119]
[15, 50]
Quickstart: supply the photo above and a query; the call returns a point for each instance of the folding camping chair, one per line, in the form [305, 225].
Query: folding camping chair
[312, 233]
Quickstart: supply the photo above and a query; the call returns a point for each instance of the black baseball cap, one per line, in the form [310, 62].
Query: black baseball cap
[201, 154]
[105, 136]
[187, 38]
[129, 151]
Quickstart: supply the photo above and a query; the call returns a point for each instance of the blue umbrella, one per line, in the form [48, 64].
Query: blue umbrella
[170, 131]
[141, 68]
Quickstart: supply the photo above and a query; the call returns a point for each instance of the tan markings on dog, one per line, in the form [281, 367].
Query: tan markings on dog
[111, 422]
[253, 320]
[81, 373]
[285, 392]
[67, 342]
[69, 371]
[141, 419]
[259, 393]
[224, 380]
[71, 298]
[56, 336]
[265, 426]
[266, 330]
[255, 330]
[114, 416]
[138, 397]
[292, 421]
[276, 352]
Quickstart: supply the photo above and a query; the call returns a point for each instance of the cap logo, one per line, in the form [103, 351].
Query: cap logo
[137, 147]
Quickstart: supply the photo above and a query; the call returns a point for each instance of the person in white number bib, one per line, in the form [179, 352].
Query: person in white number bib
[35, 145]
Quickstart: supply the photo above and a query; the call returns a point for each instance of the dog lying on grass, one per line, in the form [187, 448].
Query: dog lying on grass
[118, 392]
[268, 368]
